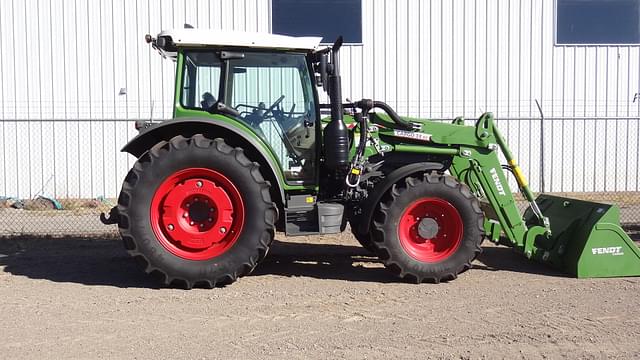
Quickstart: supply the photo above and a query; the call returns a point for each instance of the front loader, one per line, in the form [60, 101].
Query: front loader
[249, 152]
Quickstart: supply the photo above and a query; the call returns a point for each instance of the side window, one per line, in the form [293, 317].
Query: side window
[201, 80]
[274, 96]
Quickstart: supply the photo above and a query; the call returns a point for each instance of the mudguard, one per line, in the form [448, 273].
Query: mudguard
[191, 126]
[368, 205]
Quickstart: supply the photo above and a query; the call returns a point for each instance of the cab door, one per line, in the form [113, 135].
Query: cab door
[274, 94]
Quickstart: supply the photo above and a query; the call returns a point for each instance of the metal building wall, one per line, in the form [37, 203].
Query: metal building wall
[64, 62]
[444, 58]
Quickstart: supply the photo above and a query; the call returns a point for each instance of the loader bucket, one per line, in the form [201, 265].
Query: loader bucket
[586, 239]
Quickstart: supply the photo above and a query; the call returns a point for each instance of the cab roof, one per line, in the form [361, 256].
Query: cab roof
[169, 40]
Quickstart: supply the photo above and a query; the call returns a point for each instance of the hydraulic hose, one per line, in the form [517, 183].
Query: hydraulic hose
[370, 104]
[356, 168]
[353, 178]
[363, 133]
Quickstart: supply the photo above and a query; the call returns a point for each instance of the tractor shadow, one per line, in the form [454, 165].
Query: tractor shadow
[323, 261]
[500, 258]
[353, 263]
[94, 261]
[104, 262]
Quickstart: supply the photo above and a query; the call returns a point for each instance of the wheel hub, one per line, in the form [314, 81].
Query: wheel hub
[197, 213]
[430, 229]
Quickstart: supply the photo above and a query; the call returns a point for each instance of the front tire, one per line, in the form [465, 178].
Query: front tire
[197, 212]
[428, 229]
[364, 239]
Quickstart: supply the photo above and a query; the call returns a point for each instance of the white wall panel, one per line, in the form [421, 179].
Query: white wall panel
[66, 60]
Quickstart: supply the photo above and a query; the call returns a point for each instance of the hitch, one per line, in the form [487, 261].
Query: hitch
[114, 217]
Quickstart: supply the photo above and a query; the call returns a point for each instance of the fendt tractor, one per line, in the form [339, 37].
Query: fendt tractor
[248, 153]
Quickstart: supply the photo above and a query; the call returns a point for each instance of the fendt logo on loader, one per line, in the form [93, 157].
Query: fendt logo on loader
[613, 250]
[496, 179]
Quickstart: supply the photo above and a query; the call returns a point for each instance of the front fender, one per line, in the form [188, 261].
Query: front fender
[368, 206]
[255, 148]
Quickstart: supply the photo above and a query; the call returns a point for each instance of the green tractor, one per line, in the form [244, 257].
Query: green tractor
[249, 153]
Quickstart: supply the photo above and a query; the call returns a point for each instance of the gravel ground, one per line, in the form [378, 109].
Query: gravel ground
[320, 297]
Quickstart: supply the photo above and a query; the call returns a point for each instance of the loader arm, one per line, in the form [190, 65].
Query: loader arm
[475, 161]
[480, 168]
[580, 237]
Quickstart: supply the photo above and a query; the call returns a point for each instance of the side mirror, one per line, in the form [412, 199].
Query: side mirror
[324, 76]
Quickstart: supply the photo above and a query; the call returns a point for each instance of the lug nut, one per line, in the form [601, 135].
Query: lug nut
[185, 215]
[191, 223]
[211, 209]
[199, 183]
[201, 225]
[223, 230]
[196, 199]
[210, 220]
[170, 227]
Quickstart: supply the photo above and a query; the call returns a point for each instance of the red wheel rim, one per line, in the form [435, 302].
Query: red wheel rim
[441, 232]
[197, 214]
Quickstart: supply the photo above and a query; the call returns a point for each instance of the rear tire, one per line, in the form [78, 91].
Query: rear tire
[428, 229]
[196, 212]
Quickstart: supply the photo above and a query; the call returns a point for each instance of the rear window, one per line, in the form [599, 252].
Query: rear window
[201, 85]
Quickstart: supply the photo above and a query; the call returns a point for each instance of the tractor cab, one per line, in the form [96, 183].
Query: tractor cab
[263, 81]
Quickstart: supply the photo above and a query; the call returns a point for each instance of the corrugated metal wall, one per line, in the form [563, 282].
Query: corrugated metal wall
[65, 63]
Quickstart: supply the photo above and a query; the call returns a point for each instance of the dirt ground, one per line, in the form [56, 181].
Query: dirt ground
[321, 297]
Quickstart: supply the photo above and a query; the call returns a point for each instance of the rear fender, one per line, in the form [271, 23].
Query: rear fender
[254, 148]
[368, 206]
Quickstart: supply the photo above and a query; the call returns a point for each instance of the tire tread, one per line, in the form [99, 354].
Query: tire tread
[382, 215]
[178, 143]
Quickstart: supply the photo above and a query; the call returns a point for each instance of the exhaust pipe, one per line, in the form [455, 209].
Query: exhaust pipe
[336, 135]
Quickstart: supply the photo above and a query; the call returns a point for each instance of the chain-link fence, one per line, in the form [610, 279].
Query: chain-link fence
[58, 176]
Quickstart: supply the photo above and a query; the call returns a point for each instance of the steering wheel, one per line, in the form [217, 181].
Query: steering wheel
[273, 106]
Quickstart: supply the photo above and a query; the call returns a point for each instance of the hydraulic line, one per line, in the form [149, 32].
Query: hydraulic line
[356, 164]
[522, 181]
